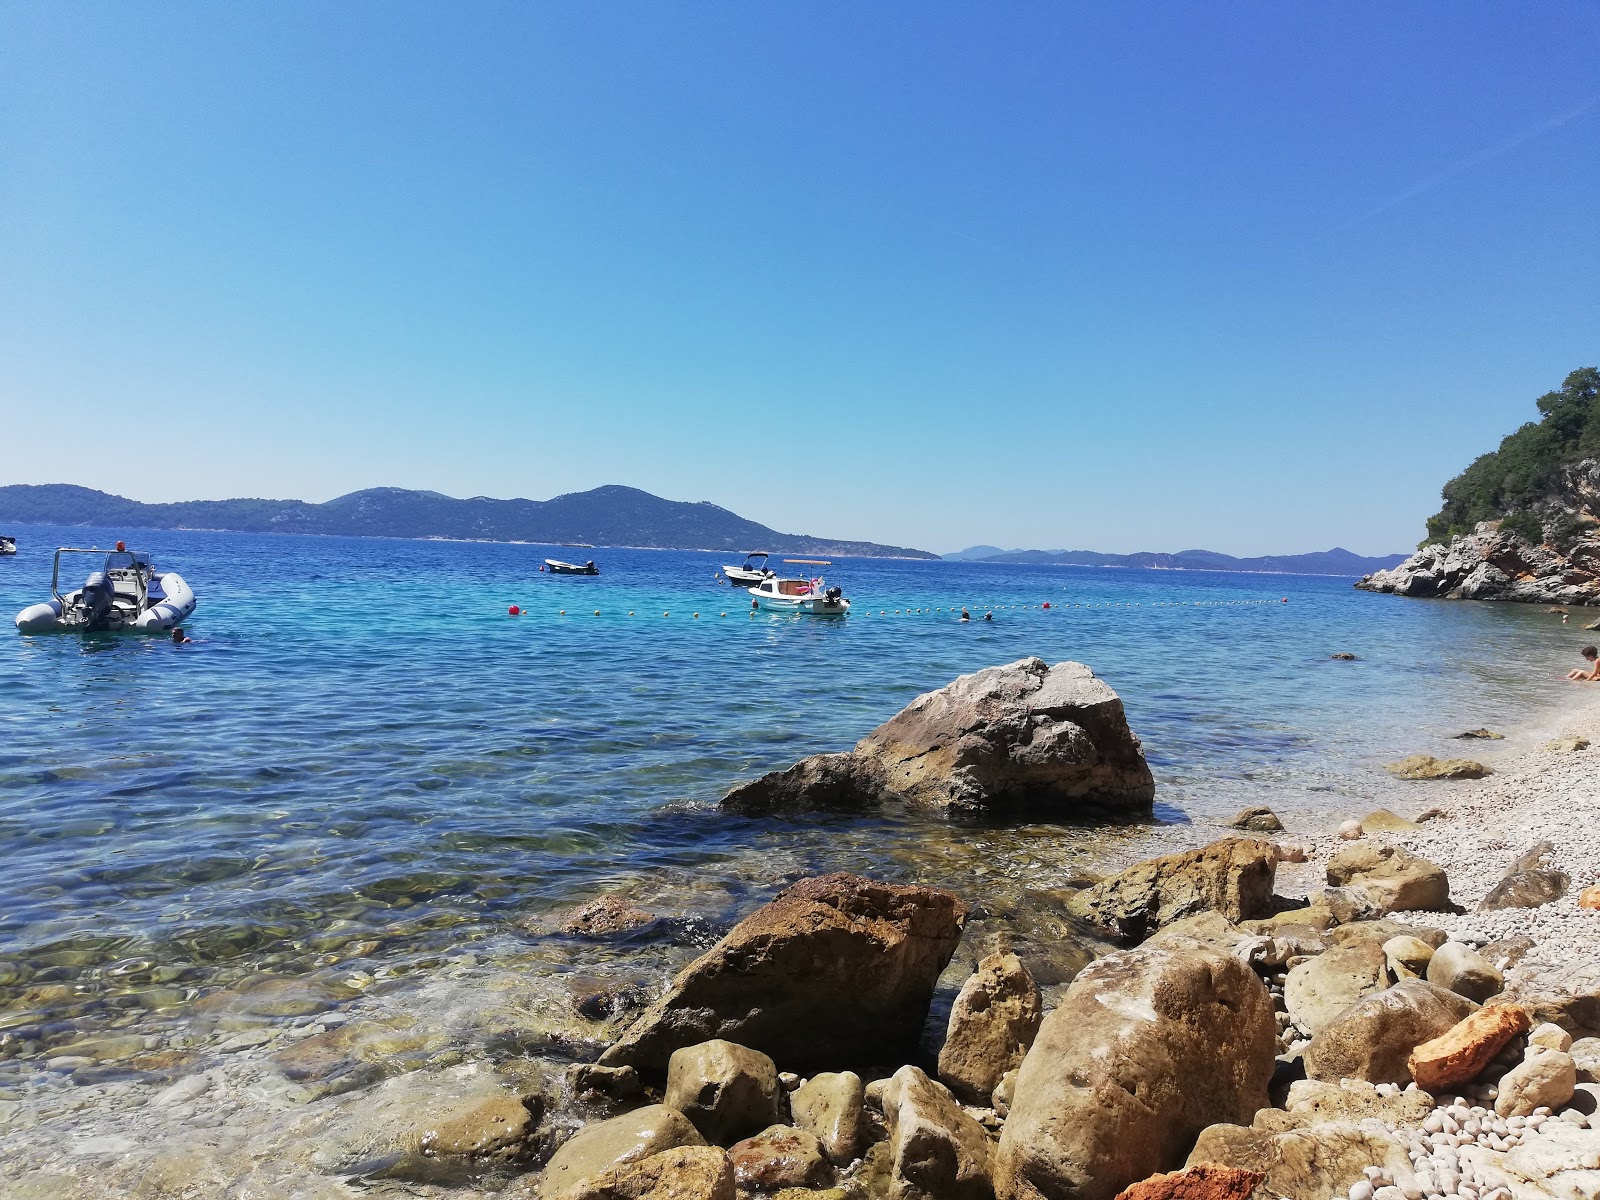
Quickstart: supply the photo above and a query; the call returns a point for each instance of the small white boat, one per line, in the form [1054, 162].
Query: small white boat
[126, 593]
[752, 572]
[556, 567]
[799, 595]
[8, 544]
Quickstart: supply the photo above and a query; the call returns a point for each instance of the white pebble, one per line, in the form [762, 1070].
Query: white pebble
[1361, 1190]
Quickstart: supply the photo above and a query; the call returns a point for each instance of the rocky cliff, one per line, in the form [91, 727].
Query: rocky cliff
[1498, 560]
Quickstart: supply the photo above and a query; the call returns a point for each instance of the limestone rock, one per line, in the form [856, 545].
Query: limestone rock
[1146, 1048]
[1003, 1093]
[1586, 1056]
[1203, 1181]
[1021, 735]
[937, 1151]
[1318, 1162]
[1384, 821]
[1494, 563]
[597, 1149]
[1319, 990]
[1233, 877]
[1464, 971]
[1374, 1037]
[1425, 766]
[1318, 1101]
[1551, 1037]
[1317, 918]
[1482, 735]
[1349, 831]
[1532, 880]
[1257, 819]
[1544, 1078]
[1562, 1162]
[620, 1083]
[836, 969]
[1590, 897]
[1394, 879]
[780, 1157]
[1407, 957]
[992, 1024]
[1568, 995]
[1457, 1056]
[1567, 745]
[831, 1106]
[728, 1091]
[682, 1173]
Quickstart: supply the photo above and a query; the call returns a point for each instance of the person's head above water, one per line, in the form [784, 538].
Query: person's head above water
[988, 616]
[178, 635]
[965, 615]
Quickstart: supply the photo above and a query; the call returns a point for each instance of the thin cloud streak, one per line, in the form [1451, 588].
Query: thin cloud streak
[1477, 159]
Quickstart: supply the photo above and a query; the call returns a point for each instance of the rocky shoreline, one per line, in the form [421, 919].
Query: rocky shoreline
[1254, 1022]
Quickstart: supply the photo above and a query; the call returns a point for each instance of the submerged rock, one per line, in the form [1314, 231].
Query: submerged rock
[836, 970]
[1257, 819]
[1147, 1048]
[1481, 735]
[1233, 877]
[1021, 735]
[604, 916]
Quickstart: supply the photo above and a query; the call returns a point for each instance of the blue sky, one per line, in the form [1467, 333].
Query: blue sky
[1255, 277]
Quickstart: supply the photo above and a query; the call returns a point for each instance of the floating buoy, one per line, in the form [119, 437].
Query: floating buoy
[1047, 604]
[630, 612]
[562, 613]
[666, 614]
[1286, 599]
[514, 611]
[722, 614]
[696, 616]
[597, 612]
[122, 547]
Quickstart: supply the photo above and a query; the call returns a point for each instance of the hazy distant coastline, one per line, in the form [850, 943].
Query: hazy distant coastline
[1337, 561]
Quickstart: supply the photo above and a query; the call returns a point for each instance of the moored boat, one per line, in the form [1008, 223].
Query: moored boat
[8, 544]
[127, 593]
[751, 572]
[799, 595]
[556, 567]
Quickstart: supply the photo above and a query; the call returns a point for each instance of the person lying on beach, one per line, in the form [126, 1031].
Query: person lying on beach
[1578, 674]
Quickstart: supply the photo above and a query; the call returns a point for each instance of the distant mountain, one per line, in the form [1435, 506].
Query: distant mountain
[1337, 561]
[973, 554]
[605, 516]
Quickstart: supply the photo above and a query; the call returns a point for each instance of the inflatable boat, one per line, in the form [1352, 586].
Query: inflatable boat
[126, 593]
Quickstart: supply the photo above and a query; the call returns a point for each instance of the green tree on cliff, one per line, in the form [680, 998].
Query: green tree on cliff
[1504, 484]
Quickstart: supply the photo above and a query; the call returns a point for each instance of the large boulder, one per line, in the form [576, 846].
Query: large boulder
[837, 969]
[1023, 735]
[1374, 1037]
[992, 1024]
[1567, 995]
[831, 1106]
[1233, 877]
[1532, 880]
[1543, 1079]
[728, 1091]
[1320, 989]
[1464, 971]
[1425, 766]
[1146, 1049]
[1394, 880]
[780, 1157]
[937, 1150]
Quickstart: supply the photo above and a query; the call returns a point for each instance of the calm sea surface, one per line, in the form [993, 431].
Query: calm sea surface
[363, 749]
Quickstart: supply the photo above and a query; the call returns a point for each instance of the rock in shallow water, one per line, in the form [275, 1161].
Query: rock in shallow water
[1023, 735]
[599, 1148]
[836, 970]
[1425, 766]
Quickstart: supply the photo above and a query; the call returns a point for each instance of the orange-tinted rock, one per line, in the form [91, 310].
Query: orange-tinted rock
[1589, 897]
[1456, 1057]
[1203, 1181]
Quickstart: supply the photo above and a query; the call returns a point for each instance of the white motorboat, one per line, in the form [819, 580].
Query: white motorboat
[126, 593]
[751, 572]
[799, 595]
[556, 567]
[8, 544]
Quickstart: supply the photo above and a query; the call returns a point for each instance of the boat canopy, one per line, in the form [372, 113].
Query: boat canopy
[809, 562]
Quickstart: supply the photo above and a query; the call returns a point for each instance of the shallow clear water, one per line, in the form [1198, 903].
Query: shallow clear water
[363, 749]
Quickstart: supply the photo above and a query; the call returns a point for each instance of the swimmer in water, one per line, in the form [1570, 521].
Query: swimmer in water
[989, 616]
[965, 615]
[179, 637]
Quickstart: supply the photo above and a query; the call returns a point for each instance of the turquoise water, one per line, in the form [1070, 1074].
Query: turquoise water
[361, 741]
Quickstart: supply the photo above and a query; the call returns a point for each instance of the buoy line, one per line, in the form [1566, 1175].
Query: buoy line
[517, 610]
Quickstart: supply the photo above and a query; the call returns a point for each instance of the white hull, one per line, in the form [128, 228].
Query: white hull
[817, 606]
[171, 603]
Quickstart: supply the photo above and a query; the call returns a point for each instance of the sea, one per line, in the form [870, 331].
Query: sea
[364, 763]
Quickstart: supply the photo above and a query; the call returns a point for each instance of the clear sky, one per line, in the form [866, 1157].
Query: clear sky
[1256, 277]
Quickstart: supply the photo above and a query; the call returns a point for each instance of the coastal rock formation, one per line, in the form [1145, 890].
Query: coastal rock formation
[598, 1148]
[1146, 1048]
[992, 1024]
[830, 1105]
[1532, 881]
[1021, 735]
[836, 969]
[1233, 877]
[1493, 563]
[1374, 1037]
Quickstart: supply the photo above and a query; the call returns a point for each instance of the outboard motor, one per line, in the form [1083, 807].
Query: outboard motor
[832, 595]
[95, 601]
